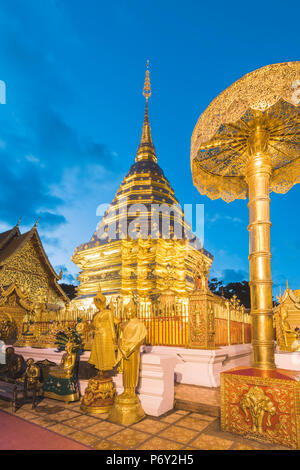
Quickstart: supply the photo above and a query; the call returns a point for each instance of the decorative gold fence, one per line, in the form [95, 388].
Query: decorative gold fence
[202, 320]
[167, 331]
[168, 321]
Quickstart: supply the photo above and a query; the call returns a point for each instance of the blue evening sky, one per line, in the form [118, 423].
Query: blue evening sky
[74, 73]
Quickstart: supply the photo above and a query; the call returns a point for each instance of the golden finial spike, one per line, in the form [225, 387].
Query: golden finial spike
[35, 225]
[147, 84]
[19, 222]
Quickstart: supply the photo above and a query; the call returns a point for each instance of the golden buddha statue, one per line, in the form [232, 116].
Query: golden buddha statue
[61, 382]
[67, 364]
[127, 408]
[32, 373]
[103, 355]
[287, 332]
[100, 392]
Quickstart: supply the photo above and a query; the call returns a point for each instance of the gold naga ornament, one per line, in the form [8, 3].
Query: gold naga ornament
[247, 144]
[127, 408]
[100, 392]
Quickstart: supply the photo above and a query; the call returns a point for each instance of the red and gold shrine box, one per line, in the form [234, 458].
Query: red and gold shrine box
[262, 405]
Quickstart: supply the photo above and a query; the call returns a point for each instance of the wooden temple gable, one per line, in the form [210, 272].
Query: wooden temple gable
[24, 263]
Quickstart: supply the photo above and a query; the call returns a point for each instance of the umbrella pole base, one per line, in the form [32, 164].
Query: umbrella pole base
[262, 404]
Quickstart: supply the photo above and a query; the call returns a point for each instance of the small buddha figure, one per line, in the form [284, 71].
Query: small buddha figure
[32, 373]
[14, 365]
[67, 364]
[286, 328]
[127, 408]
[61, 382]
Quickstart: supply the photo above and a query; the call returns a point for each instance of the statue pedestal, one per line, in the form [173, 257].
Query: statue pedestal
[262, 405]
[126, 410]
[98, 396]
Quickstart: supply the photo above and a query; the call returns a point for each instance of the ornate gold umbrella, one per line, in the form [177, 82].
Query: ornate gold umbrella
[247, 143]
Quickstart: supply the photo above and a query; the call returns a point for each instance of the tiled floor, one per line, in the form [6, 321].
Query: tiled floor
[174, 431]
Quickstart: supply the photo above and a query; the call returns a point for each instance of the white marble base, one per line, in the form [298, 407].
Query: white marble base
[47, 353]
[203, 367]
[287, 360]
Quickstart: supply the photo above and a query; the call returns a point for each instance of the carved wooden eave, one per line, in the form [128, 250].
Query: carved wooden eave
[5, 293]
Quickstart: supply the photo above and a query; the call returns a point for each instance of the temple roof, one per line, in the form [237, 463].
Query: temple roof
[5, 237]
[12, 241]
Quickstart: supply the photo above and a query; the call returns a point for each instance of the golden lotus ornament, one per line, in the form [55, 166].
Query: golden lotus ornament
[247, 144]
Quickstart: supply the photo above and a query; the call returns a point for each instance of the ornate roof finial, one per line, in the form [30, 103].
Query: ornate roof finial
[146, 149]
[147, 84]
[36, 223]
[19, 222]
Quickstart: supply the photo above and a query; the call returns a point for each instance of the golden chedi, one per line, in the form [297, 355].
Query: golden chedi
[100, 392]
[141, 235]
[127, 408]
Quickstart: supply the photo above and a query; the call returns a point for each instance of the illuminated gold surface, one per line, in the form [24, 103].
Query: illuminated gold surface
[103, 348]
[98, 396]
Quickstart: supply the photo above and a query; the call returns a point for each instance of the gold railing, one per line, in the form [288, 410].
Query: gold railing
[167, 321]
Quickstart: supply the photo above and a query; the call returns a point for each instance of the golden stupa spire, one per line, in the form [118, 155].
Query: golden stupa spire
[146, 149]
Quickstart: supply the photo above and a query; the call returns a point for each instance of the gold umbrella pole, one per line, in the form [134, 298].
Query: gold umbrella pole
[258, 173]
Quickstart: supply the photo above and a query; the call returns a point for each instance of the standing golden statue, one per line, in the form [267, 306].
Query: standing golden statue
[127, 408]
[100, 392]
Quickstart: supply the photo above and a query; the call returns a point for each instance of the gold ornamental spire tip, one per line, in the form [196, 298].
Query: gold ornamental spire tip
[36, 224]
[19, 222]
[147, 84]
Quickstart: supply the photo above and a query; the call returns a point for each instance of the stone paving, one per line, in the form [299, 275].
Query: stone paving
[176, 430]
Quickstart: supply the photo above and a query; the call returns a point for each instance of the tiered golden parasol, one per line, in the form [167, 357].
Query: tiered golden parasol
[247, 143]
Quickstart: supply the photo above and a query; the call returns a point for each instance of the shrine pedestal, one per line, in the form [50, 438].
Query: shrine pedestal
[262, 405]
